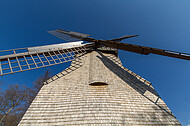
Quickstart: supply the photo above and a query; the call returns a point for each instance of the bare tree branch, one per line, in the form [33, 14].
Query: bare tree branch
[15, 100]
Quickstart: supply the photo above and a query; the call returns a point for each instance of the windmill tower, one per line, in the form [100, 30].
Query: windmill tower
[96, 89]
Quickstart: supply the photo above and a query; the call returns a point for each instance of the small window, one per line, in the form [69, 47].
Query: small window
[98, 84]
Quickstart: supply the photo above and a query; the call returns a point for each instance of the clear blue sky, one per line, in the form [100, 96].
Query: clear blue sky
[160, 23]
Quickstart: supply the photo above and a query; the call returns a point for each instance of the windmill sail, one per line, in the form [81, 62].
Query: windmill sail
[145, 50]
[24, 59]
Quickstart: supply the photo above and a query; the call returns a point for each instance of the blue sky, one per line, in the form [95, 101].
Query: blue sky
[160, 24]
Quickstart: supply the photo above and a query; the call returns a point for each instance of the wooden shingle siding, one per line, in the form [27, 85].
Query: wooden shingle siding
[68, 99]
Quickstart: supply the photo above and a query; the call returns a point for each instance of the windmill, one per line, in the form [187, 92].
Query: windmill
[96, 89]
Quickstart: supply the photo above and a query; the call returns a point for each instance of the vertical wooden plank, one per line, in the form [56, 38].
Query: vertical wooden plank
[14, 51]
[27, 62]
[10, 65]
[19, 64]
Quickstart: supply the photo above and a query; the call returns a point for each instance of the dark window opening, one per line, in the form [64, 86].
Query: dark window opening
[98, 84]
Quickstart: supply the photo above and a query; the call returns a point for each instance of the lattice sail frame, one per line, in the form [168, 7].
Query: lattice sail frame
[24, 59]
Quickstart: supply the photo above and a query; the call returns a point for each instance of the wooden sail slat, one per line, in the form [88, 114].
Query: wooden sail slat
[19, 64]
[27, 62]
[10, 65]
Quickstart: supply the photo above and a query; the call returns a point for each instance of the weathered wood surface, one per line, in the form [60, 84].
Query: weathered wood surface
[68, 99]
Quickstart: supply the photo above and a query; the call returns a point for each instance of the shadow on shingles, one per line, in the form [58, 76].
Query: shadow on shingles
[131, 80]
